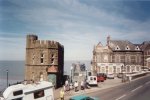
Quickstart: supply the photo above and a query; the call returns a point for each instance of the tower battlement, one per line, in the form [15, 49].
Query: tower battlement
[33, 42]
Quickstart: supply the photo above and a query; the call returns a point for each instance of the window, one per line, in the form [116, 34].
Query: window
[117, 58]
[148, 64]
[117, 48]
[52, 61]
[33, 57]
[42, 58]
[42, 55]
[52, 55]
[114, 69]
[17, 99]
[127, 48]
[133, 59]
[137, 48]
[19, 92]
[127, 58]
[38, 94]
[122, 59]
[113, 58]
[148, 52]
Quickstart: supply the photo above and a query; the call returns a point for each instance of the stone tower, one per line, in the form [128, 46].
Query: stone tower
[44, 60]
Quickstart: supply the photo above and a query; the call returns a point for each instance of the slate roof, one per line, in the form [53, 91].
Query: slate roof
[123, 44]
[144, 45]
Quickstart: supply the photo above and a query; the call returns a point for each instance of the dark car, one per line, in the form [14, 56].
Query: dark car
[83, 97]
[120, 75]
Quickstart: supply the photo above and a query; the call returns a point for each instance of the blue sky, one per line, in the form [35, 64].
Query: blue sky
[76, 24]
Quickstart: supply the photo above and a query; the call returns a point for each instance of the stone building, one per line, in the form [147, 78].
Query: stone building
[44, 60]
[120, 56]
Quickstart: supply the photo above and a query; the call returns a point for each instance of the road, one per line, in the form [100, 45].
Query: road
[135, 90]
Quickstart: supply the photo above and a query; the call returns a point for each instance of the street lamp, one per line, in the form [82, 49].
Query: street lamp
[71, 73]
[86, 73]
[7, 77]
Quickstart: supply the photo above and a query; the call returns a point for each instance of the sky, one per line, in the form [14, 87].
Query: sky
[76, 24]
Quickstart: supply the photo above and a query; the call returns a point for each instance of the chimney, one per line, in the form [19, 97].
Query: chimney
[108, 40]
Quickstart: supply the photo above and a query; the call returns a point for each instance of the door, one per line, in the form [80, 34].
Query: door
[52, 78]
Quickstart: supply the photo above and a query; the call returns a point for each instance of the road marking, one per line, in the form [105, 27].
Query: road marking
[121, 97]
[147, 82]
[136, 88]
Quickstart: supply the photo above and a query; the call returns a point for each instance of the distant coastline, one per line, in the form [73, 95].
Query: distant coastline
[16, 70]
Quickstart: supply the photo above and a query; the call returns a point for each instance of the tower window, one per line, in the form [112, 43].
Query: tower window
[42, 58]
[52, 55]
[42, 55]
[33, 58]
[52, 61]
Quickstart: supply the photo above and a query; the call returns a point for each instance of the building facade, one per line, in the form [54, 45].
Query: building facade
[120, 56]
[44, 60]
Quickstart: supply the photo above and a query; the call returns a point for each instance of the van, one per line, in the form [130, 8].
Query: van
[92, 80]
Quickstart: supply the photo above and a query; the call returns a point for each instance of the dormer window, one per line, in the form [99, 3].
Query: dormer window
[117, 48]
[137, 48]
[127, 48]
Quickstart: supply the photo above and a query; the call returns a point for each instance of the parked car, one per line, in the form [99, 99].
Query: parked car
[100, 79]
[105, 76]
[110, 76]
[120, 75]
[92, 80]
[83, 97]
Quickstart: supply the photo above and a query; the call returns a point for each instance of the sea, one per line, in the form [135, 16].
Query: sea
[16, 71]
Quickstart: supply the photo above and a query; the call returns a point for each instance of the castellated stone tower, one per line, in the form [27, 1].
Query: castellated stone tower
[44, 60]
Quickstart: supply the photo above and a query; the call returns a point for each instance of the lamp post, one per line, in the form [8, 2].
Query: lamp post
[86, 73]
[7, 77]
[71, 73]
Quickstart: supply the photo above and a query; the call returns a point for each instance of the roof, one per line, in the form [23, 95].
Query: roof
[145, 44]
[83, 97]
[12, 88]
[27, 88]
[80, 97]
[40, 85]
[122, 45]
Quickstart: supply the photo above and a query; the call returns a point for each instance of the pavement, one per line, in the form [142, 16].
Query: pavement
[102, 85]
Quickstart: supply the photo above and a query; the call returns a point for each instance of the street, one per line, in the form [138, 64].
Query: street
[134, 90]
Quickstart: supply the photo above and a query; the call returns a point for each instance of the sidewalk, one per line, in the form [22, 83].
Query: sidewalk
[102, 85]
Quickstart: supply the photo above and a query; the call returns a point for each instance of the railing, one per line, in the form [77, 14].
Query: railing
[136, 75]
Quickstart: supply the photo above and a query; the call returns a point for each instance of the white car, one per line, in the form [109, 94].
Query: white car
[92, 80]
[110, 76]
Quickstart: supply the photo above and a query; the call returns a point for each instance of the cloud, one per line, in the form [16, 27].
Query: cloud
[77, 24]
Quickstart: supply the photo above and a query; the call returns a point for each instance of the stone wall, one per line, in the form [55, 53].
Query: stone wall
[43, 57]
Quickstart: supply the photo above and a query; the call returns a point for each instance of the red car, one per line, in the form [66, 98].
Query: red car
[100, 78]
